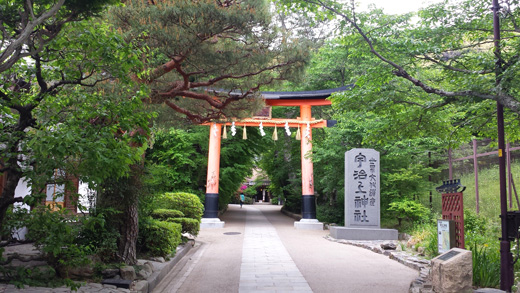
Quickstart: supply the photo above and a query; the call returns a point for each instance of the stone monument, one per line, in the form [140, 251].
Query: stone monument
[362, 199]
[452, 272]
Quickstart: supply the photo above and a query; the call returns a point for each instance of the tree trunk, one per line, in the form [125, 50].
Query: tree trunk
[129, 232]
[7, 194]
[123, 195]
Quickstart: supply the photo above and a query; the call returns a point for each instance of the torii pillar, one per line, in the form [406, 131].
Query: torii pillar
[210, 218]
[308, 221]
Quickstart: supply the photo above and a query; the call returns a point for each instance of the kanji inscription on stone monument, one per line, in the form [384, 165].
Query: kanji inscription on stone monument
[362, 189]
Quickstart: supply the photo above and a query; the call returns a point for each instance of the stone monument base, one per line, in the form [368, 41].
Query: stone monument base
[211, 223]
[363, 233]
[308, 224]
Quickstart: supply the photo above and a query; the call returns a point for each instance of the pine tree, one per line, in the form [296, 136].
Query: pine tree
[206, 59]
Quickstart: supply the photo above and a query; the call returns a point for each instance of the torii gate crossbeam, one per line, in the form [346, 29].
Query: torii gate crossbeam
[305, 100]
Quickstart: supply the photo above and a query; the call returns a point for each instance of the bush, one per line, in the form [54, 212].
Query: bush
[408, 209]
[425, 235]
[189, 204]
[189, 225]
[158, 238]
[165, 214]
[331, 213]
[56, 233]
[96, 233]
[249, 200]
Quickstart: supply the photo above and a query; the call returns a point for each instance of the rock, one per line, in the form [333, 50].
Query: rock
[44, 272]
[127, 273]
[141, 262]
[105, 286]
[95, 285]
[109, 273]
[76, 273]
[158, 259]
[141, 286]
[388, 246]
[148, 266]
[27, 264]
[403, 236]
[453, 271]
[142, 275]
[145, 271]
[117, 283]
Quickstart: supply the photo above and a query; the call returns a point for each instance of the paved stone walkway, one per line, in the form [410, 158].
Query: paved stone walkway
[266, 264]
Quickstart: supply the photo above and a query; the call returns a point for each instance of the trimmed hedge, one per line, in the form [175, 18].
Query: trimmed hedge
[165, 214]
[189, 225]
[158, 238]
[188, 203]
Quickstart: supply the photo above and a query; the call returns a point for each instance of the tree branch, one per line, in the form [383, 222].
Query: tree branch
[10, 51]
[428, 58]
[506, 100]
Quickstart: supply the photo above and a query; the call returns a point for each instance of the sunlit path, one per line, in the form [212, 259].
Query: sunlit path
[266, 264]
[259, 250]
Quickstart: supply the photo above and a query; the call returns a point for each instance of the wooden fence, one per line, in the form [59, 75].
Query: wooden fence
[475, 156]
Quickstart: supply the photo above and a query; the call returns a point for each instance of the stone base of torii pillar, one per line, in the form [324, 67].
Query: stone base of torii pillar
[308, 224]
[211, 223]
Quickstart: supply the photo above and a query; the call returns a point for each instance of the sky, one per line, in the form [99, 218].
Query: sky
[397, 6]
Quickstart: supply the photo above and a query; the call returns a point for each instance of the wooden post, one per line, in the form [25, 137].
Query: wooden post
[475, 168]
[450, 164]
[510, 176]
[211, 201]
[308, 198]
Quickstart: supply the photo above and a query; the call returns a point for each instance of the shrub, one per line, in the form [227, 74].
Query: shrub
[96, 233]
[165, 214]
[189, 225]
[408, 209]
[425, 235]
[331, 213]
[249, 200]
[189, 204]
[158, 238]
[55, 233]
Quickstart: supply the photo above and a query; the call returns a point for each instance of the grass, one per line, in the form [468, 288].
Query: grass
[489, 191]
[482, 230]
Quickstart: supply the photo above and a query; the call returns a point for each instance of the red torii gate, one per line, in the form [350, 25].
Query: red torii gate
[305, 100]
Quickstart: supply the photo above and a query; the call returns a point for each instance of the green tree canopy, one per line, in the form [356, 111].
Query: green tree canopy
[443, 54]
[66, 103]
[207, 59]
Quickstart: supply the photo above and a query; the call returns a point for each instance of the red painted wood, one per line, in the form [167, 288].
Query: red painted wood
[453, 209]
[306, 150]
[213, 176]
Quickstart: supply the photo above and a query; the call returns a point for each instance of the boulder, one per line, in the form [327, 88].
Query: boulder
[109, 273]
[452, 272]
[388, 246]
[158, 259]
[127, 273]
[76, 273]
[141, 287]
